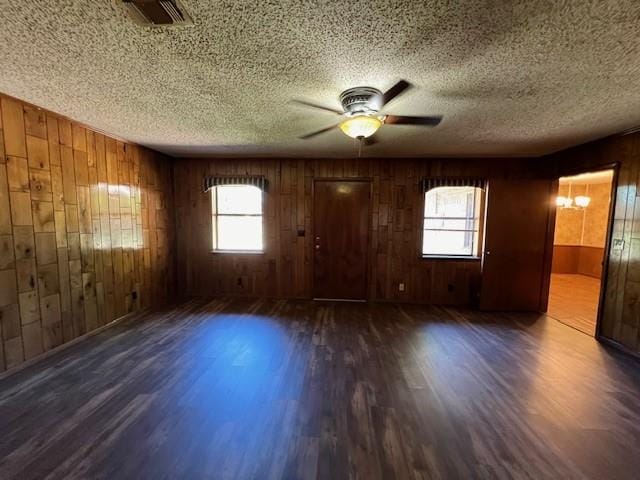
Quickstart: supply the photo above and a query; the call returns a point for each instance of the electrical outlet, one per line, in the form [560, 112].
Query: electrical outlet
[401, 287]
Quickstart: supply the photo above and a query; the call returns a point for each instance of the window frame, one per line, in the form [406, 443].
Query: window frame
[479, 199]
[215, 234]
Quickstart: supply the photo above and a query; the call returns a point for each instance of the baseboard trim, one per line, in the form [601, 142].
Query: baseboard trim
[352, 300]
[191, 296]
[618, 347]
[70, 343]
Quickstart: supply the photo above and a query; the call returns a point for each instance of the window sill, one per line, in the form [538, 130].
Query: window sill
[238, 252]
[459, 258]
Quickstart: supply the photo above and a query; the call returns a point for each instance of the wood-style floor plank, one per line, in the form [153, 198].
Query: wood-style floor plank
[573, 300]
[261, 389]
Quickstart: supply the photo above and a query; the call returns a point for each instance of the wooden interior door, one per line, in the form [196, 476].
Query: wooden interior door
[515, 263]
[341, 213]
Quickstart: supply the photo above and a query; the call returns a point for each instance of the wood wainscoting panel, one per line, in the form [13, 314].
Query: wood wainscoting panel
[590, 261]
[578, 259]
[69, 260]
[565, 259]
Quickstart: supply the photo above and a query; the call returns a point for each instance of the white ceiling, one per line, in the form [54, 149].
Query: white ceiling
[510, 77]
[589, 178]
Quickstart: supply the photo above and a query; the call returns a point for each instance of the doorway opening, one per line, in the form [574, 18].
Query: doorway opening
[582, 224]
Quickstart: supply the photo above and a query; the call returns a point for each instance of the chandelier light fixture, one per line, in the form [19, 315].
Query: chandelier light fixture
[582, 201]
[564, 202]
[577, 202]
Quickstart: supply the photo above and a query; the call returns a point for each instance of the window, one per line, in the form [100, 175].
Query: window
[452, 218]
[237, 218]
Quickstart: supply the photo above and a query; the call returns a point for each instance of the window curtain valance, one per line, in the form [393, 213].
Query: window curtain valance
[255, 180]
[429, 183]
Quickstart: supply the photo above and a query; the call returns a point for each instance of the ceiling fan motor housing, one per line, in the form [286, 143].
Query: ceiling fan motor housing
[361, 100]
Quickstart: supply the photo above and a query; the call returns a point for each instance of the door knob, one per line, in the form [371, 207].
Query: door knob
[317, 247]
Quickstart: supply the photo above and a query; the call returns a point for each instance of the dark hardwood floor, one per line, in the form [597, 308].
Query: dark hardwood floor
[295, 389]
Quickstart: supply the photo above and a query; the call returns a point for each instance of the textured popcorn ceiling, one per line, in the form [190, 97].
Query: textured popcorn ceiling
[510, 77]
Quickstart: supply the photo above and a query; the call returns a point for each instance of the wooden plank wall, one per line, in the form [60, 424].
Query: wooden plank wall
[85, 221]
[284, 270]
[621, 310]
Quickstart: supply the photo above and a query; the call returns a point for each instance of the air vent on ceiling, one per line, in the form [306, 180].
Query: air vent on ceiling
[158, 13]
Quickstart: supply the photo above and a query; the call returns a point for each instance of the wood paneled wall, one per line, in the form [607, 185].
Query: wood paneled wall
[86, 230]
[621, 310]
[285, 267]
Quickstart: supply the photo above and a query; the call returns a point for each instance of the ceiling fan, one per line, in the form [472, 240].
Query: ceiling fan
[362, 115]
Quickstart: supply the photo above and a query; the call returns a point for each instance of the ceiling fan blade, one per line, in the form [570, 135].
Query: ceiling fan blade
[314, 105]
[317, 132]
[394, 91]
[405, 120]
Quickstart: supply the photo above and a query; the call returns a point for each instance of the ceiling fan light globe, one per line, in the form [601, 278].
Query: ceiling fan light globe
[360, 126]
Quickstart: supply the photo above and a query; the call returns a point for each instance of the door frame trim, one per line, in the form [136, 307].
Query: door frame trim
[367, 270]
[547, 259]
[607, 246]
[604, 278]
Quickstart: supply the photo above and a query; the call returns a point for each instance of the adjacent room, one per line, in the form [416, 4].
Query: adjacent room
[319, 240]
[582, 223]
